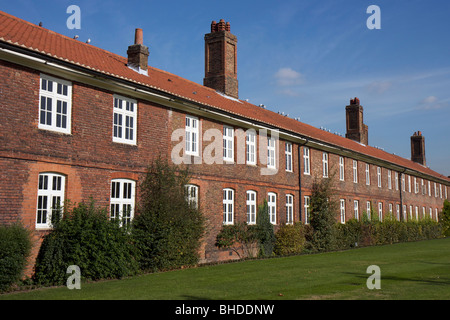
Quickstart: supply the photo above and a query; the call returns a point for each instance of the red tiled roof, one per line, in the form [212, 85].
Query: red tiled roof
[27, 35]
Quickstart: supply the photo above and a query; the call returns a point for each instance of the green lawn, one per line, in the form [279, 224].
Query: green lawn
[419, 270]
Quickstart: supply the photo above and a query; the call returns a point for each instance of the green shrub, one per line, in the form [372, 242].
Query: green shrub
[85, 237]
[290, 239]
[15, 247]
[264, 231]
[240, 238]
[444, 218]
[167, 229]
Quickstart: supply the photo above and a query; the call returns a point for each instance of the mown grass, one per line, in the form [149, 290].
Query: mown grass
[409, 271]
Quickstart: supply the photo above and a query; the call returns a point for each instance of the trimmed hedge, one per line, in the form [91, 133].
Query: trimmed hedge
[15, 247]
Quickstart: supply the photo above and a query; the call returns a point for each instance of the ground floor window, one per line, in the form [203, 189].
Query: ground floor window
[50, 198]
[122, 200]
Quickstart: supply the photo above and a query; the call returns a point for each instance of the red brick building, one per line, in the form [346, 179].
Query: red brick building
[80, 122]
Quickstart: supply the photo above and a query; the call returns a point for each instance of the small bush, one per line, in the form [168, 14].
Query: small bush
[290, 239]
[85, 237]
[264, 231]
[240, 238]
[15, 247]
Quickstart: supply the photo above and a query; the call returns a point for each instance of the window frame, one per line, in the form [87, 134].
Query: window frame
[341, 168]
[191, 194]
[126, 198]
[192, 129]
[306, 161]
[379, 176]
[250, 147]
[120, 131]
[271, 153]
[228, 143]
[54, 97]
[228, 215]
[307, 208]
[251, 207]
[288, 156]
[289, 209]
[356, 209]
[325, 164]
[342, 210]
[367, 174]
[355, 171]
[272, 204]
[45, 210]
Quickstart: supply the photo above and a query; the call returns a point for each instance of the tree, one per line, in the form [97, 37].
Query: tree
[323, 215]
[167, 229]
[444, 218]
[264, 231]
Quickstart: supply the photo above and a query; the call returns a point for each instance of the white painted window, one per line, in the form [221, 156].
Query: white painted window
[417, 213]
[270, 152]
[288, 155]
[416, 186]
[435, 190]
[367, 174]
[306, 163]
[272, 203]
[124, 120]
[307, 208]
[409, 184]
[396, 180]
[192, 195]
[55, 104]
[325, 164]
[429, 188]
[355, 171]
[404, 212]
[410, 212]
[122, 200]
[390, 208]
[440, 190]
[431, 213]
[192, 136]
[341, 168]
[356, 209]
[422, 186]
[50, 198]
[251, 207]
[289, 209]
[397, 206]
[368, 209]
[389, 180]
[379, 176]
[250, 141]
[380, 211]
[228, 206]
[228, 143]
[342, 209]
[403, 183]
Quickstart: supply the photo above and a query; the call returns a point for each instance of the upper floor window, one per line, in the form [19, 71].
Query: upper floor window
[192, 132]
[124, 120]
[289, 209]
[429, 188]
[50, 198]
[251, 207]
[228, 143]
[325, 164]
[122, 200]
[409, 183]
[288, 154]
[355, 171]
[306, 163]
[341, 168]
[270, 152]
[416, 186]
[250, 142]
[228, 206]
[55, 104]
[396, 180]
[389, 180]
[272, 203]
[379, 176]
[367, 174]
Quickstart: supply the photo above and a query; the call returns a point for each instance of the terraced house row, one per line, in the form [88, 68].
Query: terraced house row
[79, 122]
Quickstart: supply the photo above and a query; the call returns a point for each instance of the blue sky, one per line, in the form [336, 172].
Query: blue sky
[305, 58]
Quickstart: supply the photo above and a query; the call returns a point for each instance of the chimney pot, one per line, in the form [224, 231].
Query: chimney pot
[138, 37]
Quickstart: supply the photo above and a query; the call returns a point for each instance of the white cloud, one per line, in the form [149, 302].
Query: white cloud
[432, 103]
[288, 77]
[378, 86]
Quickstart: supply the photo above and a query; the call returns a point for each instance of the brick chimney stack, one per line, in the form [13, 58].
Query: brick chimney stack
[418, 148]
[221, 59]
[356, 129]
[138, 53]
